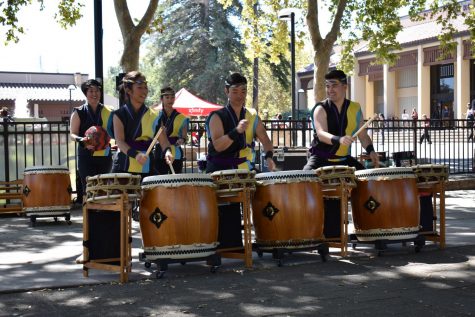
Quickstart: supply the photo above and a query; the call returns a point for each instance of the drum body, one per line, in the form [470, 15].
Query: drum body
[231, 181]
[46, 190]
[288, 210]
[430, 174]
[109, 187]
[385, 204]
[179, 216]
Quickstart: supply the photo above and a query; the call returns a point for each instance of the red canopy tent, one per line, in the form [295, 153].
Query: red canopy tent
[190, 105]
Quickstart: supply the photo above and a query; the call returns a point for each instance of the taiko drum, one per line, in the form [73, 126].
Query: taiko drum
[287, 210]
[46, 189]
[179, 216]
[108, 187]
[385, 204]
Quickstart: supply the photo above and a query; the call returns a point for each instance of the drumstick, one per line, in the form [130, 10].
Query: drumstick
[171, 168]
[154, 141]
[363, 127]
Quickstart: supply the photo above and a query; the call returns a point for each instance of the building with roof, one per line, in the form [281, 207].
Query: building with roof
[423, 77]
[43, 95]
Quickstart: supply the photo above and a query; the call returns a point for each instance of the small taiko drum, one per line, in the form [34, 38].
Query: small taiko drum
[385, 204]
[179, 216]
[332, 177]
[46, 190]
[430, 174]
[288, 210]
[97, 137]
[235, 180]
[105, 188]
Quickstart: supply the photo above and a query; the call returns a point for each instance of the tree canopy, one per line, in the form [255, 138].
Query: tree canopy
[351, 22]
[198, 48]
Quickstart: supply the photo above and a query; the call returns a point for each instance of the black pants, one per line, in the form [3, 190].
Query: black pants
[426, 136]
[315, 162]
[93, 165]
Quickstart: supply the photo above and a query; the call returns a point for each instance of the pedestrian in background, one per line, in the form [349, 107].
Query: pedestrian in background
[470, 121]
[426, 125]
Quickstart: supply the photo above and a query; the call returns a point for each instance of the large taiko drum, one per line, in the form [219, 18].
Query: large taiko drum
[287, 210]
[231, 181]
[385, 204]
[46, 190]
[178, 216]
[109, 187]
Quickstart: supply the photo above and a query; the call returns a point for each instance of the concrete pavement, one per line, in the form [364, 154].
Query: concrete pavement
[39, 277]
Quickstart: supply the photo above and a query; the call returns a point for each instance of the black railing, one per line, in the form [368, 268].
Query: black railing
[25, 144]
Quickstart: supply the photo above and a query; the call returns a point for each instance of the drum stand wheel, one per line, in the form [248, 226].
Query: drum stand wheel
[279, 253]
[214, 261]
[67, 218]
[382, 245]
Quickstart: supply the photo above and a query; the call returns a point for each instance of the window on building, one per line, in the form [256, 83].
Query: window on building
[407, 77]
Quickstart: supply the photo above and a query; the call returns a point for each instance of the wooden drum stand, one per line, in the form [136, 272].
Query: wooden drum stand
[431, 180]
[245, 252]
[108, 259]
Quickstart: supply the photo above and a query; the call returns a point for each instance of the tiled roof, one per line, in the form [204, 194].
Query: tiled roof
[422, 33]
[54, 92]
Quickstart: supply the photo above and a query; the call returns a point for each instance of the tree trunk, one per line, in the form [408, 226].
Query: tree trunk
[131, 33]
[321, 62]
[322, 46]
[255, 84]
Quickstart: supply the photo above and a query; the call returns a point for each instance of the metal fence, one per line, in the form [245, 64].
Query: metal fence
[25, 144]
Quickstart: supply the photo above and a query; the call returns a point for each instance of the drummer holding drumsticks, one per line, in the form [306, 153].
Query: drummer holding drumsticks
[232, 129]
[135, 126]
[337, 122]
[231, 133]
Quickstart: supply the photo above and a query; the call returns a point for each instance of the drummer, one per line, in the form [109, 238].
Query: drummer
[334, 121]
[92, 113]
[176, 130]
[135, 126]
[231, 133]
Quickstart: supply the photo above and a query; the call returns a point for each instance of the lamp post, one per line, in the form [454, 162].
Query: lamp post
[286, 15]
[71, 88]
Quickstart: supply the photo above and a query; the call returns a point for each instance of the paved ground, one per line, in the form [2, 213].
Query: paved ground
[39, 277]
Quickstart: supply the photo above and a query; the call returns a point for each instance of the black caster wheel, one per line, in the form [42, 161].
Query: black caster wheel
[279, 263]
[380, 253]
[260, 254]
[147, 265]
[182, 262]
[159, 274]
[213, 269]
[353, 246]
[33, 221]
[55, 219]
[69, 222]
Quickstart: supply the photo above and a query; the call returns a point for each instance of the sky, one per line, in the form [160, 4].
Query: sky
[46, 47]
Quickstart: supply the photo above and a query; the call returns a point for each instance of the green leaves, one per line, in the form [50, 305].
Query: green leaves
[69, 11]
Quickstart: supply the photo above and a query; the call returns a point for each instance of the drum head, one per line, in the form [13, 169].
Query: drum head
[175, 180]
[52, 169]
[385, 173]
